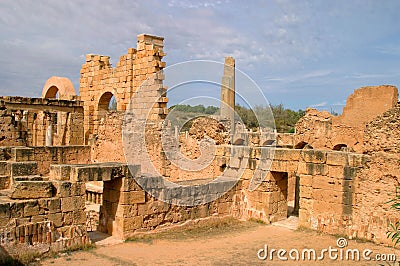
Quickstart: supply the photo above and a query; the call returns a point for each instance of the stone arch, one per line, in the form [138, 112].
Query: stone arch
[300, 145]
[62, 86]
[238, 142]
[269, 142]
[339, 147]
[105, 100]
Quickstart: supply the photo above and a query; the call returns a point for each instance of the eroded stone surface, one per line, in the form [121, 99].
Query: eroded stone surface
[340, 171]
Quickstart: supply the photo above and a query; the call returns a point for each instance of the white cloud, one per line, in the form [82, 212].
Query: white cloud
[321, 104]
[301, 76]
[295, 46]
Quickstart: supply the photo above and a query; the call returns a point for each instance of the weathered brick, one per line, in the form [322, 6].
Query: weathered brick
[31, 189]
[31, 208]
[313, 156]
[60, 172]
[132, 197]
[56, 218]
[22, 154]
[337, 158]
[54, 205]
[62, 188]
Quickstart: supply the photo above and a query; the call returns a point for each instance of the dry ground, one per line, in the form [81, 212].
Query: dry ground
[229, 242]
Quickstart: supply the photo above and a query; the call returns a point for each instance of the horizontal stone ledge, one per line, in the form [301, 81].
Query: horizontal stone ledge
[93, 172]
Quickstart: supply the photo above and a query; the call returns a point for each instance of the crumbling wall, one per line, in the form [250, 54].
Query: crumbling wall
[107, 145]
[99, 79]
[366, 103]
[327, 190]
[379, 179]
[12, 134]
[313, 129]
[25, 121]
[383, 133]
[43, 214]
[321, 130]
[43, 157]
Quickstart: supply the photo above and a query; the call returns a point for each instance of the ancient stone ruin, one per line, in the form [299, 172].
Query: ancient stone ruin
[62, 154]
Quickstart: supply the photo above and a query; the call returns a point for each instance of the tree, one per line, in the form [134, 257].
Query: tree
[285, 119]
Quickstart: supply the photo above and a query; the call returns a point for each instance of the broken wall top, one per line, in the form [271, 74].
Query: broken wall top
[366, 103]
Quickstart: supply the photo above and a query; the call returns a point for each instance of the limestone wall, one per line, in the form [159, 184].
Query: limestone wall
[379, 179]
[313, 129]
[383, 133]
[100, 81]
[43, 157]
[127, 208]
[25, 121]
[126, 201]
[46, 213]
[107, 144]
[46, 156]
[327, 190]
[366, 103]
[322, 130]
[339, 192]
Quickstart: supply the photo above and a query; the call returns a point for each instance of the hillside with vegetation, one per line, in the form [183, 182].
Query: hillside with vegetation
[285, 119]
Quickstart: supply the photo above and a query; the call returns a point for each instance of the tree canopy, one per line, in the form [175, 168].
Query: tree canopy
[285, 119]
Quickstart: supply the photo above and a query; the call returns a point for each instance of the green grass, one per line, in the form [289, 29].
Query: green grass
[258, 221]
[305, 229]
[81, 247]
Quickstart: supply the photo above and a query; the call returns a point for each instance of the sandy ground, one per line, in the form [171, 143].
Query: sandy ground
[229, 248]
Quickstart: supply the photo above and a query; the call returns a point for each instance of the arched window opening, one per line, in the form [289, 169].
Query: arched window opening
[107, 102]
[52, 93]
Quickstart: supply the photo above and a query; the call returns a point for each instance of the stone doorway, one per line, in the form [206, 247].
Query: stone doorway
[287, 212]
[280, 197]
[93, 202]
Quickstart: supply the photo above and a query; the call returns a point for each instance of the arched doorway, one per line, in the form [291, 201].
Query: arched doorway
[107, 102]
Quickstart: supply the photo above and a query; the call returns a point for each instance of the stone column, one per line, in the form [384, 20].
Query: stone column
[49, 131]
[228, 90]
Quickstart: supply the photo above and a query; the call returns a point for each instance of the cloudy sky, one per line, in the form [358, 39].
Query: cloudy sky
[300, 53]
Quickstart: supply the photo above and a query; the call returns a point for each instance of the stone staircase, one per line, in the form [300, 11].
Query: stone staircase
[17, 165]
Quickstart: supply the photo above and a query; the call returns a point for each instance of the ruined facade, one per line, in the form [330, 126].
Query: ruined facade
[339, 170]
[321, 130]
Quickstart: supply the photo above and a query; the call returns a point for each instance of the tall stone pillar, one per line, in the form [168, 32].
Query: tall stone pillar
[228, 90]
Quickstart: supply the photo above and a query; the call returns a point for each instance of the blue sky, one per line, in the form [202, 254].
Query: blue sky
[300, 53]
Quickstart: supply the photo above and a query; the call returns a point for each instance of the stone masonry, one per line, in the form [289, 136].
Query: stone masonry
[340, 171]
[228, 90]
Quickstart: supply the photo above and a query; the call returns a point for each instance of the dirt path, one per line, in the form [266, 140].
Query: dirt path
[229, 248]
